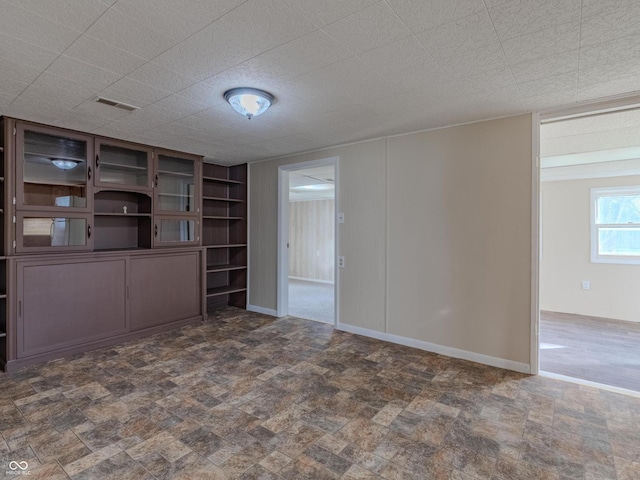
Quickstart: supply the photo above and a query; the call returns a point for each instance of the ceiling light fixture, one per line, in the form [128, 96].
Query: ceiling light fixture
[249, 102]
[64, 164]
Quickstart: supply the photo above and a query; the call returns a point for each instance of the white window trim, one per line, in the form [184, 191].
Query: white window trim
[595, 256]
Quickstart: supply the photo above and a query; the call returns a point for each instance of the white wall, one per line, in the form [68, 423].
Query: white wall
[436, 239]
[566, 258]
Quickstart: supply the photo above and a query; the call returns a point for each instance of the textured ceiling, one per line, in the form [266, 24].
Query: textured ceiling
[594, 146]
[324, 175]
[608, 131]
[342, 70]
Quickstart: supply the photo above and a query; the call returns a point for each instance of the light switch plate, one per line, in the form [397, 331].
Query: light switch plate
[341, 217]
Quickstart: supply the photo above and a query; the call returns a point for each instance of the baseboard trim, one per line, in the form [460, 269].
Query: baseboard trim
[266, 311]
[589, 383]
[439, 349]
[314, 280]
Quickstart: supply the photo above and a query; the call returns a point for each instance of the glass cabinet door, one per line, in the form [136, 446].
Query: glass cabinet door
[176, 183]
[122, 165]
[175, 232]
[40, 233]
[53, 172]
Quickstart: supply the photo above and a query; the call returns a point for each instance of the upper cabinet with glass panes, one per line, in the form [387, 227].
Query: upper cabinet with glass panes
[176, 184]
[122, 165]
[53, 169]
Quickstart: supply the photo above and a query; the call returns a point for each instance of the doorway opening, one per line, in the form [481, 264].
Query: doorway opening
[589, 255]
[307, 241]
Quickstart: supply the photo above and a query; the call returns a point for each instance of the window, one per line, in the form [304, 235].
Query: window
[615, 225]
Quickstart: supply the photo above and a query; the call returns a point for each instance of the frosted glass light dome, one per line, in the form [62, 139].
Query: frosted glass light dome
[249, 102]
[64, 164]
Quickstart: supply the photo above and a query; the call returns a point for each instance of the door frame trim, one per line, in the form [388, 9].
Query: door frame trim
[534, 353]
[282, 304]
[583, 109]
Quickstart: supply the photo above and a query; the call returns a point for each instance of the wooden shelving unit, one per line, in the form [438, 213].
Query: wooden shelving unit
[223, 180]
[228, 200]
[4, 314]
[224, 234]
[224, 268]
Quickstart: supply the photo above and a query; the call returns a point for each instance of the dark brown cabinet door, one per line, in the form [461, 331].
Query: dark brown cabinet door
[176, 184]
[164, 289]
[53, 232]
[66, 304]
[175, 231]
[122, 165]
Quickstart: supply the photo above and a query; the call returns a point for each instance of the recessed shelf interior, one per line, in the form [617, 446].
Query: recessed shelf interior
[122, 220]
[221, 258]
[121, 202]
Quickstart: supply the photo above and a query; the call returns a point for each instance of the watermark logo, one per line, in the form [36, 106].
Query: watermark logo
[18, 468]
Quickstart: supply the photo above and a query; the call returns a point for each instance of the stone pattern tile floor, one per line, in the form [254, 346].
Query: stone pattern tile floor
[246, 396]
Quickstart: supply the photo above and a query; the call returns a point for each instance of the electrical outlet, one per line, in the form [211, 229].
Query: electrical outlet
[340, 262]
[586, 285]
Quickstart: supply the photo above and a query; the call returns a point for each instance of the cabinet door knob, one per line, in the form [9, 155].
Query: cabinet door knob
[88, 231]
[156, 180]
[89, 172]
[155, 230]
[97, 160]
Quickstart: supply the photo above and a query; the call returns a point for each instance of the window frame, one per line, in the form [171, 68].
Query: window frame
[596, 193]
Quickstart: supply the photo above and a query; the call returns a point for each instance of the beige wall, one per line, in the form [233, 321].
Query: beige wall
[311, 228]
[436, 239]
[361, 196]
[566, 256]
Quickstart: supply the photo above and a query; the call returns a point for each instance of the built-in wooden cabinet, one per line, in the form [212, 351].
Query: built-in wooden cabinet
[70, 303]
[105, 239]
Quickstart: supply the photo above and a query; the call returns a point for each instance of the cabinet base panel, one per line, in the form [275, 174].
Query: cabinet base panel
[13, 365]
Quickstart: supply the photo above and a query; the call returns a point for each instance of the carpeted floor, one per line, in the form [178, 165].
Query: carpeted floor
[311, 300]
[596, 349]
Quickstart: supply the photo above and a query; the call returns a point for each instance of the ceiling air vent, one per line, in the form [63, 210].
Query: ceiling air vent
[114, 103]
